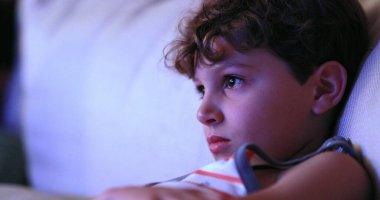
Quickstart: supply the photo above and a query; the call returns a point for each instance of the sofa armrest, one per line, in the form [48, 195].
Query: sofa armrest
[12, 160]
[17, 192]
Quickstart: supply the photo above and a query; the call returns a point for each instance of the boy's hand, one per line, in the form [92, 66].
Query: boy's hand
[157, 193]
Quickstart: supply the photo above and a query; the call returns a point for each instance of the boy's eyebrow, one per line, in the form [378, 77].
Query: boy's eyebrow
[229, 65]
[195, 80]
[243, 65]
[240, 65]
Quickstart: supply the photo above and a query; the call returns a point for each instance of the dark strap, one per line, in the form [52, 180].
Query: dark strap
[263, 167]
[247, 174]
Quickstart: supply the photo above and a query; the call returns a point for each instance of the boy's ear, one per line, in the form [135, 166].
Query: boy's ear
[331, 79]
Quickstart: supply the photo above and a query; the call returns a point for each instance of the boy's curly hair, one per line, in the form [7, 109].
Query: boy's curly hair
[304, 33]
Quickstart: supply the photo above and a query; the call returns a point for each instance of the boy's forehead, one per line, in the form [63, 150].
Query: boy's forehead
[230, 59]
[230, 55]
[220, 44]
[256, 59]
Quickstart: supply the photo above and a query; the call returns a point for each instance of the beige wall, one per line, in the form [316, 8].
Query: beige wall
[372, 9]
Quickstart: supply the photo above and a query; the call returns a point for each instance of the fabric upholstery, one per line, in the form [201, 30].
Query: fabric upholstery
[16, 192]
[361, 118]
[100, 109]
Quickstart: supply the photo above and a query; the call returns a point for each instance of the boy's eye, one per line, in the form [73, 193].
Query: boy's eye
[233, 82]
[201, 90]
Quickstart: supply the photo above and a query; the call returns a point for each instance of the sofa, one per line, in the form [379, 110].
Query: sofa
[100, 110]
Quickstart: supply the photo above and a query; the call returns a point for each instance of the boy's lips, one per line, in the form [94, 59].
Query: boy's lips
[217, 144]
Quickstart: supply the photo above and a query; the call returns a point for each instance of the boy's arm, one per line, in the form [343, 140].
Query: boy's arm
[329, 175]
[158, 193]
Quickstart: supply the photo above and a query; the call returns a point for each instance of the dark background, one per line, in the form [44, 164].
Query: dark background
[8, 44]
[12, 162]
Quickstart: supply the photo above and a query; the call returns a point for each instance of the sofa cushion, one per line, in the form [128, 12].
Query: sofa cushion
[99, 107]
[16, 192]
[361, 118]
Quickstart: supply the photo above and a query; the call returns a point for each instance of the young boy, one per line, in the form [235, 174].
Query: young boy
[274, 73]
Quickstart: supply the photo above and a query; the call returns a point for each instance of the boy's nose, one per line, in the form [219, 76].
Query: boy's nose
[209, 114]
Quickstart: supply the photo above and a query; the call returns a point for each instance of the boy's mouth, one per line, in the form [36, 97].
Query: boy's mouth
[217, 144]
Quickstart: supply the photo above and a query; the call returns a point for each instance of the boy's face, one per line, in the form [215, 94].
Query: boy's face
[254, 98]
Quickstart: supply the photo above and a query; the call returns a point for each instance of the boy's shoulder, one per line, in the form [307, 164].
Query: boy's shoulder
[330, 174]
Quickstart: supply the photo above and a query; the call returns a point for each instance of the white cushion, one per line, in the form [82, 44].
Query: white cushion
[100, 109]
[361, 118]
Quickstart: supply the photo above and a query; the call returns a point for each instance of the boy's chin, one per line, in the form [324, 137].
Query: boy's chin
[219, 157]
